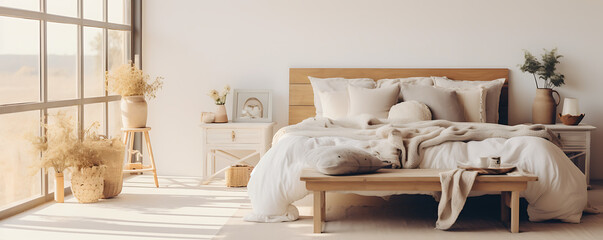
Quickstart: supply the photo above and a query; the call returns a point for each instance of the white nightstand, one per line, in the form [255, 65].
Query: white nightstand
[575, 142]
[218, 138]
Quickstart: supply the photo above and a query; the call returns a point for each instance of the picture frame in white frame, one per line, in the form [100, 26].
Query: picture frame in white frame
[252, 105]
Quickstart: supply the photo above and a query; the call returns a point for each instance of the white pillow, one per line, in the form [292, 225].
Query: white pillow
[335, 84]
[409, 111]
[375, 102]
[404, 82]
[342, 160]
[492, 87]
[334, 104]
[473, 101]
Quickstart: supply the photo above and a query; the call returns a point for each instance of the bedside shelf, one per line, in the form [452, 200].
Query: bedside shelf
[575, 143]
[219, 138]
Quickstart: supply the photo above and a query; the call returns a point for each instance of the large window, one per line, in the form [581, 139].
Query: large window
[53, 57]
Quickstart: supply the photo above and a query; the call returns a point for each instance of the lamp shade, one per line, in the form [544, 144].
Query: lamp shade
[570, 106]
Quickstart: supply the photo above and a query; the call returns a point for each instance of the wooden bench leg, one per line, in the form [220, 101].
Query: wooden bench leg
[510, 200]
[515, 212]
[505, 198]
[319, 210]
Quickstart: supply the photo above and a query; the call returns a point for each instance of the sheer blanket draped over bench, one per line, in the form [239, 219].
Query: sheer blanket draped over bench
[560, 192]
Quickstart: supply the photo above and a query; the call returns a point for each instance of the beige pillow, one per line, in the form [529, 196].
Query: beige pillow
[344, 160]
[404, 82]
[334, 85]
[492, 87]
[409, 111]
[334, 104]
[443, 103]
[473, 101]
[375, 102]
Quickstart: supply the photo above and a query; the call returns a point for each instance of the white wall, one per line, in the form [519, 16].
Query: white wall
[200, 44]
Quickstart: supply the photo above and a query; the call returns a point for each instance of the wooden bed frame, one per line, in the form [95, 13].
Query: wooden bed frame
[301, 96]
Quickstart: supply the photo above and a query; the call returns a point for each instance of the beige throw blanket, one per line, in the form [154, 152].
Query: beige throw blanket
[456, 185]
[402, 144]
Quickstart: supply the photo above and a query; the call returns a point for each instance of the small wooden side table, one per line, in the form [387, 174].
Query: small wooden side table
[218, 138]
[575, 142]
[129, 143]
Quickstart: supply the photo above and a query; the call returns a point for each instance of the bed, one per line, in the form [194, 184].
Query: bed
[560, 192]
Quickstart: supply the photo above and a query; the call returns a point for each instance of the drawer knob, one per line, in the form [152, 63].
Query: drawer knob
[233, 136]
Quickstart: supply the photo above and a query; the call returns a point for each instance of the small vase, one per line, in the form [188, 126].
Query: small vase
[220, 114]
[134, 112]
[87, 184]
[544, 108]
[59, 187]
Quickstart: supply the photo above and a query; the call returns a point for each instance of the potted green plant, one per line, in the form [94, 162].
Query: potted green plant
[133, 85]
[544, 108]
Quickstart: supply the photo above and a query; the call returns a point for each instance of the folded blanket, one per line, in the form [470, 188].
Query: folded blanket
[456, 185]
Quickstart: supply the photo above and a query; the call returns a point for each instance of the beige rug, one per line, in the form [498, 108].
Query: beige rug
[411, 217]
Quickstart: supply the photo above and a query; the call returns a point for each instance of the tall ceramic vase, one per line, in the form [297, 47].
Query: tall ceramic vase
[59, 187]
[220, 114]
[544, 108]
[133, 112]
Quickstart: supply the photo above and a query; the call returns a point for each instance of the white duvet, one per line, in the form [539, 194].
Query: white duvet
[560, 192]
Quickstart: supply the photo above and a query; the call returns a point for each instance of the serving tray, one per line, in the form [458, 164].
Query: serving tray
[489, 171]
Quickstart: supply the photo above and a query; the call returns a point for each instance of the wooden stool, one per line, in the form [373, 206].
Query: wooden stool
[135, 167]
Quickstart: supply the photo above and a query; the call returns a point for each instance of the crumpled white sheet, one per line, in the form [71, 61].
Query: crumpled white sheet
[560, 193]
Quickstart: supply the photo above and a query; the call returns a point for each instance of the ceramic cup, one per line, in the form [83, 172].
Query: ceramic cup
[494, 162]
[208, 117]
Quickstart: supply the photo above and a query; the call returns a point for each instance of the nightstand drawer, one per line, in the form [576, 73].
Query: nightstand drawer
[572, 139]
[233, 136]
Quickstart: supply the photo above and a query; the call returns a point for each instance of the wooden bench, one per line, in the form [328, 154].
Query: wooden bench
[412, 180]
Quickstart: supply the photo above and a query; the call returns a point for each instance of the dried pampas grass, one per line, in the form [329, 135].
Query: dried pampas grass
[128, 80]
[62, 148]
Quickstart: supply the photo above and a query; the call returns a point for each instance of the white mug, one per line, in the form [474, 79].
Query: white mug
[208, 117]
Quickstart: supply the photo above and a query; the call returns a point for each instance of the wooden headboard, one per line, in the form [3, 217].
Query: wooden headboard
[301, 97]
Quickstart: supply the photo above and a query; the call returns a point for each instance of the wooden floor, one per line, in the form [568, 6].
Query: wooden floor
[412, 217]
[181, 208]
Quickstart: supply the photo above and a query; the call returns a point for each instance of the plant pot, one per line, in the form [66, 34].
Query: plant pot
[544, 108]
[59, 187]
[220, 114]
[88, 184]
[113, 179]
[134, 112]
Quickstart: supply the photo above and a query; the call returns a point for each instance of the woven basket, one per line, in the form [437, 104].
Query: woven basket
[113, 181]
[238, 175]
[87, 184]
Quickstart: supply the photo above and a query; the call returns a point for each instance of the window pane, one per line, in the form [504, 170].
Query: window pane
[93, 62]
[118, 11]
[33, 5]
[70, 112]
[19, 60]
[62, 61]
[93, 9]
[94, 113]
[62, 7]
[114, 119]
[119, 48]
[18, 180]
